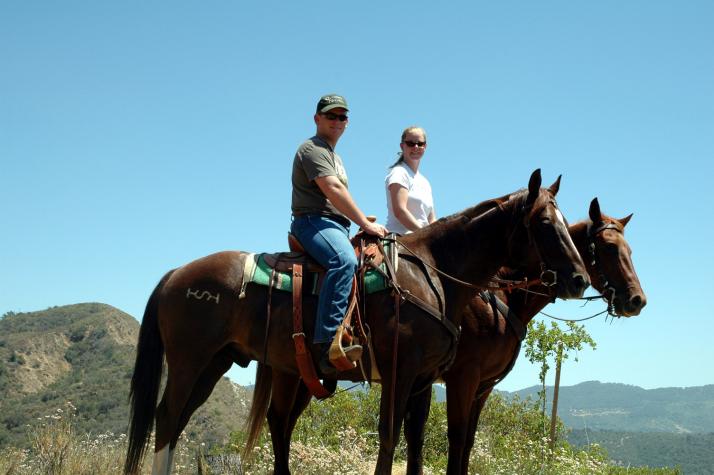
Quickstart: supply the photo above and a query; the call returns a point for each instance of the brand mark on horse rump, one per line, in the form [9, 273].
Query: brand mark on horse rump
[203, 293]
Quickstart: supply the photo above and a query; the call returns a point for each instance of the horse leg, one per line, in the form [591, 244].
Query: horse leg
[302, 398]
[476, 409]
[179, 386]
[285, 390]
[417, 414]
[388, 441]
[203, 388]
[460, 394]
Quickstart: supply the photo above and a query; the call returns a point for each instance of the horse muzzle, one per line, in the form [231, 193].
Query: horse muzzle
[630, 306]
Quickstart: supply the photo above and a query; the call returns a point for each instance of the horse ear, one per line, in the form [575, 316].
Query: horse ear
[595, 214]
[555, 186]
[534, 185]
[625, 220]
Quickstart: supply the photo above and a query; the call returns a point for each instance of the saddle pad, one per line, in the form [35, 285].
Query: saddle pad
[257, 271]
[261, 276]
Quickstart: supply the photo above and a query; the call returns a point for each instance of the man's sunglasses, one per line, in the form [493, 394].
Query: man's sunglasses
[409, 143]
[331, 116]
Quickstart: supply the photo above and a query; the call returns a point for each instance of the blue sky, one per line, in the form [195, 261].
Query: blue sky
[135, 137]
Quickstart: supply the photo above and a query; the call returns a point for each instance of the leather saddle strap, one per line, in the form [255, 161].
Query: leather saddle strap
[395, 345]
[499, 306]
[398, 296]
[302, 355]
[391, 277]
[404, 294]
[518, 328]
[268, 314]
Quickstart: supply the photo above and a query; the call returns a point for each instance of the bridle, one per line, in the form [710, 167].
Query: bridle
[548, 277]
[592, 234]
[610, 300]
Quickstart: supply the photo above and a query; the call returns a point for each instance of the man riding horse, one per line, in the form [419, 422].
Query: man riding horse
[322, 209]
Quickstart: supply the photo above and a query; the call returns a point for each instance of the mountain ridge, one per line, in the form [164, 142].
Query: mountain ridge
[84, 354]
[624, 407]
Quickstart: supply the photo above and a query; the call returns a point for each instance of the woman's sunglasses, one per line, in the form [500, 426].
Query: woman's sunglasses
[409, 143]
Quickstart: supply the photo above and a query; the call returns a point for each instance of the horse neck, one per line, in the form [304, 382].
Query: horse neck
[472, 249]
[579, 235]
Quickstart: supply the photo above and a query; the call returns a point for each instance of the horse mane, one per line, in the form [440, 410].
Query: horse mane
[440, 226]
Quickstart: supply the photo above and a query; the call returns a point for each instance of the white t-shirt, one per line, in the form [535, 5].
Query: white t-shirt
[420, 202]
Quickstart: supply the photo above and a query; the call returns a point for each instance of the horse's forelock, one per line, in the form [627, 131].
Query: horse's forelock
[616, 222]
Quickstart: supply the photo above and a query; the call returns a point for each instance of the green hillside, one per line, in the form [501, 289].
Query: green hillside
[621, 407]
[85, 354]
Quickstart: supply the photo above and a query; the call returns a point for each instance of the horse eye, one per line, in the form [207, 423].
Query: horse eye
[611, 248]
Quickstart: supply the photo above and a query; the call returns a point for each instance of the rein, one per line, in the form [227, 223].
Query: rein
[493, 283]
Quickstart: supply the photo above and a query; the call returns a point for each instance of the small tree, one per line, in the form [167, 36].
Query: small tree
[542, 343]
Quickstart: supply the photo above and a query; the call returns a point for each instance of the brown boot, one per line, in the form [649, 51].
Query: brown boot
[323, 364]
[326, 367]
[353, 352]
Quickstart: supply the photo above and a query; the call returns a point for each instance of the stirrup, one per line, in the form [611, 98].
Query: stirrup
[343, 361]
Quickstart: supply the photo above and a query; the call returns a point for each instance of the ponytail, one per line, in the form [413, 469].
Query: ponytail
[399, 160]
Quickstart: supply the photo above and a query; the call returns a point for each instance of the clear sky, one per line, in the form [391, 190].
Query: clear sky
[137, 136]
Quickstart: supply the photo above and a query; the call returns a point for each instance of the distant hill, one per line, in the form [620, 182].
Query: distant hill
[653, 427]
[693, 453]
[621, 407]
[85, 354]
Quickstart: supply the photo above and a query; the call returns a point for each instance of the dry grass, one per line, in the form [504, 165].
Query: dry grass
[58, 450]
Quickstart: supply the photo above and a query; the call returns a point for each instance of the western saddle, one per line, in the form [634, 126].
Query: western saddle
[370, 254]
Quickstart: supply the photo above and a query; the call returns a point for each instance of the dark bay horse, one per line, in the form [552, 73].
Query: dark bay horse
[489, 344]
[199, 322]
[471, 246]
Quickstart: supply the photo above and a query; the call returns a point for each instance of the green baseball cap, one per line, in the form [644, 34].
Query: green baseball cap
[331, 101]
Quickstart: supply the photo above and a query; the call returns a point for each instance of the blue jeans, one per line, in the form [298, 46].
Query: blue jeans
[327, 241]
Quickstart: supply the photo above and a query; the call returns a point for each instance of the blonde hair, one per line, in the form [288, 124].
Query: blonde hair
[411, 128]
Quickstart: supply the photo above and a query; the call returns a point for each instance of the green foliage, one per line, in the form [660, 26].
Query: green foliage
[509, 441]
[331, 435]
[544, 343]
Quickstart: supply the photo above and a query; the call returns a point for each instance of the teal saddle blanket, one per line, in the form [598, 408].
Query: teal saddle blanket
[258, 271]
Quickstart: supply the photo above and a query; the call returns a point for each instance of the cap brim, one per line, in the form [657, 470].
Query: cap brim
[329, 107]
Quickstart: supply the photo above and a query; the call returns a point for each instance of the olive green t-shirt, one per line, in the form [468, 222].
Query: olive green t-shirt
[313, 159]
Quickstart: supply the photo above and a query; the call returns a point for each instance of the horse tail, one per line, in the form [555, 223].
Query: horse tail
[145, 382]
[259, 408]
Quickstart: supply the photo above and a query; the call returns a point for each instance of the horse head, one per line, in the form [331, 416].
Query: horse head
[544, 227]
[610, 265]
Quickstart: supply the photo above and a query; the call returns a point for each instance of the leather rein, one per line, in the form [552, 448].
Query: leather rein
[495, 283]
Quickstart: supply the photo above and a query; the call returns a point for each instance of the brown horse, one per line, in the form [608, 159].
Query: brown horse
[489, 344]
[511, 231]
[196, 318]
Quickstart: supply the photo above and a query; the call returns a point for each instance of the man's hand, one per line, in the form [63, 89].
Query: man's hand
[375, 229]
